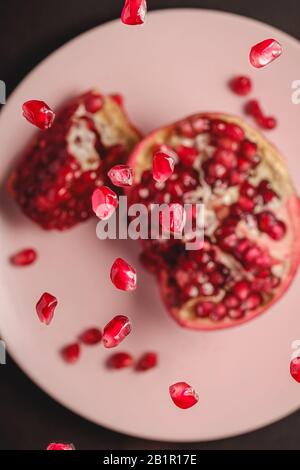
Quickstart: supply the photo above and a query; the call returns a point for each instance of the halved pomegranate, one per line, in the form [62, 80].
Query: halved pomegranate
[56, 177]
[252, 220]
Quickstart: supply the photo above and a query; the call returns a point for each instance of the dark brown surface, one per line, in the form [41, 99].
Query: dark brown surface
[29, 31]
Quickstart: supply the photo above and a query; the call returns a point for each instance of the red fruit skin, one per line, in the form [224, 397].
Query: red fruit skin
[45, 307]
[120, 360]
[60, 446]
[54, 180]
[183, 396]
[148, 361]
[91, 336]
[71, 353]
[24, 257]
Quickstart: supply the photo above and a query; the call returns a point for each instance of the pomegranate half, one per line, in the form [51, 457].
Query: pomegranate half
[252, 220]
[54, 181]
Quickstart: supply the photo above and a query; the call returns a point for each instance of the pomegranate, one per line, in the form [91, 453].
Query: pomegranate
[251, 248]
[54, 181]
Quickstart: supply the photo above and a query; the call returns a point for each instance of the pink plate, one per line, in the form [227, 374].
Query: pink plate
[176, 64]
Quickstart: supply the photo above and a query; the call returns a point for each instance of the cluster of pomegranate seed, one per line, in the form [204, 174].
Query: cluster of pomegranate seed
[183, 395]
[254, 110]
[134, 12]
[60, 446]
[104, 202]
[123, 360]
[264, 53]
[45, 307]
[24, 257]
[39, 114]
[123, 276]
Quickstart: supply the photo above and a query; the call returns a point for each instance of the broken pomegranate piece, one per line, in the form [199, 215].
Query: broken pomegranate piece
[71, 353]
[45, 307]
[134, 12]
[54, 181]
[119, 360]
[39, 114]
[264, 53]
[147, 361]
[251, 248]
[115, 331]
[183, 395]
[122, 275]
[91, 336]
[60, 446]
[24, 257]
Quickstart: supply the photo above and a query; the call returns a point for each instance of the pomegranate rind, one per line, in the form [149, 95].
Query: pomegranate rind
[141, 160]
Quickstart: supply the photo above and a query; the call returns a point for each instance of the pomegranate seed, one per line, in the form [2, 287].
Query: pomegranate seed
[214, 171]
[147, 361]
[218, 127]
[134, 12]
[187, 155]
[267, 222]
[121, 176]
[241, 289]
[241, 85]
[200, 124]
[227, 144]
[248, 149]
[39, 114]
[115, 331]
[94, 103]
[235, 313]
[71, 353]
[183, 395]
[24, 257]
[227, 158]
[295, 369]
[104, 202]
[264, 189]
[264, 53]
[163, 165]
[123, 276]
[119, 99]
[218, 313]
[252, 302]
[91, 336]
[120, 360]
[248, 190]
[172, 218]
[243, 164]
[267, 122]
[253, 108]
[60, 446]
[246, 204]
[186, 129]
[203, 309]
[231, 301]
[45, 308]
[234, 132]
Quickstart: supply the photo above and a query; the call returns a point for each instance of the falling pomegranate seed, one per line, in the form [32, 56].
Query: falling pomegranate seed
[91, 336]
[134, 12]
[45, 307]
[121, 176]
[60, 446]
[39, 114]
[94, 102]
[71, 353]
[267, 222]
[123, 276]
[115, 331]
[183, 395]
[264, 53]
[24, 257]
[163, 165]
[295, 369]
[119, 360]
[267, 122]
[172, 218]
[104, 202]
[147, 361]
[253, 108]
[241, 85]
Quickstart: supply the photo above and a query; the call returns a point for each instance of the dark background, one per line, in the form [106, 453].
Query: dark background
[29, 31]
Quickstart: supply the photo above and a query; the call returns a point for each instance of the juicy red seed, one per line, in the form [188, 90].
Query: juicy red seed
[264, 53]
[227, 144]
[252, 302]
[71, 353]
[218, 127]
[218, 313]
[295, 369]
[267, 222]
[215, 170]
[231, 301]
[267, 122]
[248, 190]
[203, 309]
[227, 158]
[119, 99]
[121, 176]
[235, 313]
[123, 276]
[248, 149]
[253, 108]
[147, 361]
[241, 85]
[183, 395]
[104, 202]
[246, 204]
[163, 165]
[60, 446]
[186, 129]
[216, 278]
[134, 12]
[241, 289]
[116, 331]
[236, 178]
[187, 155]
[91, 336]
[190, 291]
[94, 102]
[24, 257]
[38, 113]
[120, 360]
[234, 132]
[172, 218]
[264, 189]
[251, 255]
[45, 307]
[200, 124]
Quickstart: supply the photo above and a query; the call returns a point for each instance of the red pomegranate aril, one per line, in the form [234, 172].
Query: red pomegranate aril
[227, 158]
[231, 301]
[91, 336]
[45, 307]
[241, 289]
[218, 313]
[183, 395]
[253, 108]
[60, 446]
[120, 360]
[236, 178]
[134, 12]
[200, 125]
[248, 149]
[104, 202]
[234, 132]
[203, 309]
[267, 223]
[186, 129]
[94, 102]
[218, 127]
[118, 98]
[39, 114]
[215, 171]
[121, 176]
[241, 85]
[267, 122]
[148, 361]
[227, 144]
[243, 164]
[24, 257]
[264, 189]
[187, 155]
[252, 302]
[163, 165]
[123, 276]
[116, 331]
[264, 53]
[216, 278]
[71, 353]
[235, 313]
[172, 218]
[295, 369]
[248, 190]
